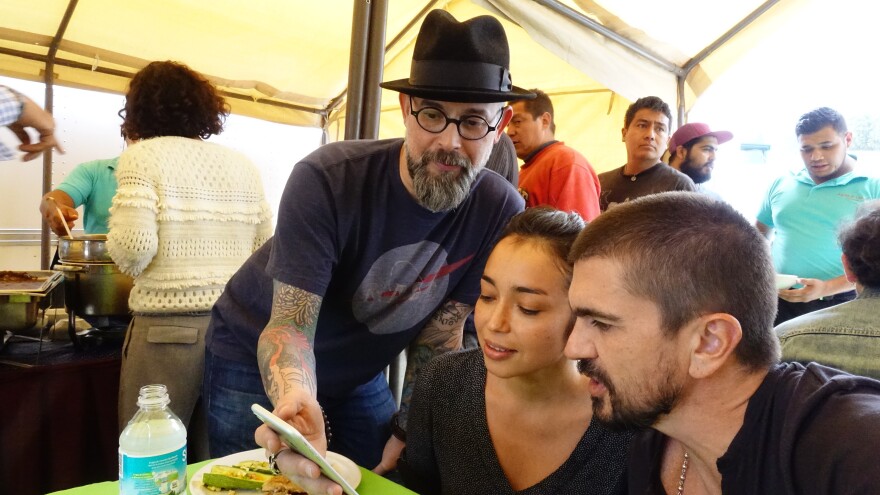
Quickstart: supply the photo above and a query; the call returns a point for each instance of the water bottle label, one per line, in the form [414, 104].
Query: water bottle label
[153, 475]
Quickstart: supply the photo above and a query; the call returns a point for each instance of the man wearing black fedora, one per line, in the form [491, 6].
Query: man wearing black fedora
[379, 247]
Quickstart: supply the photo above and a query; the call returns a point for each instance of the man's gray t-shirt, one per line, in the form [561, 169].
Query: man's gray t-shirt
[619, 188]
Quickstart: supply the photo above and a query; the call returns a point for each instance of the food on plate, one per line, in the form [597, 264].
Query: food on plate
[256, 466]
[249, 475]
[281, 485]
[10, 276]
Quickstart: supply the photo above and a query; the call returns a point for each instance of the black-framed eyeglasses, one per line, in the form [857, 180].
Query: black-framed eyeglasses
[470, 127]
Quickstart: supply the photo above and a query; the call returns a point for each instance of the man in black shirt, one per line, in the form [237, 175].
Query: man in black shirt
[645, 132]
[675, 299]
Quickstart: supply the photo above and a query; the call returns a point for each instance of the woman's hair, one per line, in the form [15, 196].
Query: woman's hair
[170, 99]
[860, 241]
[554, 229]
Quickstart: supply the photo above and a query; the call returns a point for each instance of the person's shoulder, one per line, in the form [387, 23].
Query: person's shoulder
[824, 399]
[676, 175]
[611, 174]
[815, 383]
[815, 320]
[872, 184]
[495, 188]
[795, 326]
[156, 149]
[450, 362]
[98, 164]
[781, 183]
[92, 170]
[568, 155]
[352, 151]
[448, 369]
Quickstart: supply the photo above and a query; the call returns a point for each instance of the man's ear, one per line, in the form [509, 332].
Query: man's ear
[681, 152]
[623, 134]
[506, 115]
[847, 270]
[404, 105]
[546, 120]
[714, 338]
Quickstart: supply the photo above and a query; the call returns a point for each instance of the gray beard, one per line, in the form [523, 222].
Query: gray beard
[445, 191]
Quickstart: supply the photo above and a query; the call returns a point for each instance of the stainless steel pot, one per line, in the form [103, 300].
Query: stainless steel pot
[96, 289]
[90, 248]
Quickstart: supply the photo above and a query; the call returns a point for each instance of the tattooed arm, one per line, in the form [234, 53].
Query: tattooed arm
[442, 333]
[287, 363]
[285, 350]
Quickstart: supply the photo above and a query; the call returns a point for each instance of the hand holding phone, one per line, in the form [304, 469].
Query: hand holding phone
[294, 439]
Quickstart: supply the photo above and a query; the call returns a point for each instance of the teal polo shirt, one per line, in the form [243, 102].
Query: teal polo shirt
[92, 184]
[807, 216]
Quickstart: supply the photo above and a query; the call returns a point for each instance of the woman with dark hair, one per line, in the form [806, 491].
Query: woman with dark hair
[513, 416]
[185, 216]
[845, 336]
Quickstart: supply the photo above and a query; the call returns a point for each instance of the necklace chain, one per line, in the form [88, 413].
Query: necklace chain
[684, 470]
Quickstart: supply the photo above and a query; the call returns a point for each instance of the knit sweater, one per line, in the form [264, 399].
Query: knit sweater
[186, 215]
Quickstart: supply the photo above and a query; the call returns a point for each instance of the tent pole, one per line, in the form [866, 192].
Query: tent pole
[375, 63]
[357, 65]
[594, 26]
[49, 80]
[709, 50]
[335, 102]
[724, 38]
[679, 86]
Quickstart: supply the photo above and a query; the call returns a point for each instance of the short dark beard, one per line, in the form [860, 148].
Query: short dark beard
[629, 416]
[694, 172]
[445, 191]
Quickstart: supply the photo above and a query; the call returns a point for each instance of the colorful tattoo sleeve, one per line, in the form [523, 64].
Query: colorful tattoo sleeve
[286, 348]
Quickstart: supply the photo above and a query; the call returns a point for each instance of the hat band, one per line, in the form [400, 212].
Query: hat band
[461, 75]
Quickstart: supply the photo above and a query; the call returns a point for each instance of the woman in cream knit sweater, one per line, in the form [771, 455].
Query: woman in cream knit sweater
[186, 215]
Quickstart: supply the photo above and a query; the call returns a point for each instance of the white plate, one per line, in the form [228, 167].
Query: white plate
[345, 466]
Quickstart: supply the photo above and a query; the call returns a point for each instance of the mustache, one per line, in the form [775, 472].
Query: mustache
[589, 368]
[447, 157]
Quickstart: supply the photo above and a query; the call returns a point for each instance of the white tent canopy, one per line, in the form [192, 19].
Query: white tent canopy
[287, 60]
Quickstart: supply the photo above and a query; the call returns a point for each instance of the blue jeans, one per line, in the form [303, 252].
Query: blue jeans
[359, 422]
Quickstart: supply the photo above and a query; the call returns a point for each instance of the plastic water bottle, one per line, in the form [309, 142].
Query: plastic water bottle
[152, 448]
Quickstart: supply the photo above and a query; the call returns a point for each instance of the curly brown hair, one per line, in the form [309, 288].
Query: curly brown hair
[860, 241]
[170, 99]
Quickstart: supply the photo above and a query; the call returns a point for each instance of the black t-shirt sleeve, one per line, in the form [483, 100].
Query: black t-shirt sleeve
[836, 447]
[305, 249]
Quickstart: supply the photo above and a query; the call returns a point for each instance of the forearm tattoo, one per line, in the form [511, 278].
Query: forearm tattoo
[442, 333]
[286, 348]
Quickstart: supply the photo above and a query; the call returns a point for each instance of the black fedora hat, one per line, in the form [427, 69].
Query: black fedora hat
[466, 62]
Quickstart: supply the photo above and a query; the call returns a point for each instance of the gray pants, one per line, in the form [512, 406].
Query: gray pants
[169, 350]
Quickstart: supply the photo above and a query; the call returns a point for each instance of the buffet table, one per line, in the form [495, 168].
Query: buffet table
[371, 484]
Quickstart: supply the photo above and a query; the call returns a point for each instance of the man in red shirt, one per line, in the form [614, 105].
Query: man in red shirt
[553, 174]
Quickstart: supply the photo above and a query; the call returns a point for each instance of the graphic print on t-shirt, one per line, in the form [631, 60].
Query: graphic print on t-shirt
[404, 286]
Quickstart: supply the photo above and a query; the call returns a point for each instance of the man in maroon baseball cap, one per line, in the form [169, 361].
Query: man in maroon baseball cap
[692, 150]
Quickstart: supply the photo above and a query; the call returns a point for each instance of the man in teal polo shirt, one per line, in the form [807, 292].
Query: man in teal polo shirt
[91, 184]
[803, 211]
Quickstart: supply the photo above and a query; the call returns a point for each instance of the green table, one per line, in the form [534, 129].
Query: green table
[371, 484]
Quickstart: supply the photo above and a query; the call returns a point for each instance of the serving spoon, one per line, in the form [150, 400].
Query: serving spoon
[63, 220]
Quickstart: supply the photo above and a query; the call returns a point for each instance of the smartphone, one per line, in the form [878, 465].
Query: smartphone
[298, 443]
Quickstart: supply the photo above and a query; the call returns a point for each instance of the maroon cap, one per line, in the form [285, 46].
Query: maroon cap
[695, 130]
